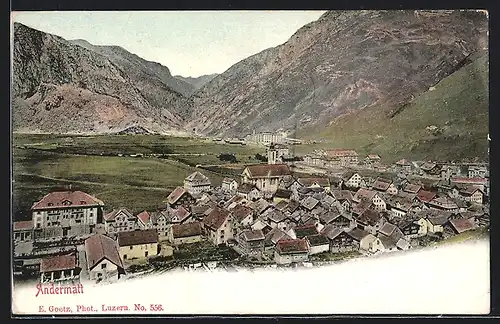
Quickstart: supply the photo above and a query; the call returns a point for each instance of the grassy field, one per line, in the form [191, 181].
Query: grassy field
[457, 107]
[43, 163]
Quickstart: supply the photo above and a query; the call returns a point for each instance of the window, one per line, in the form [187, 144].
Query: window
[131, 247]
[146, 253]
[124, 257]
[103, 266]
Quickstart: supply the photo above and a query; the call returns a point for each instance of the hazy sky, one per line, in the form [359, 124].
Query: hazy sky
[189, 43]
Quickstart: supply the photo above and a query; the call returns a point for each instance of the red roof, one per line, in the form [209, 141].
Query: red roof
[23, 225]
[112, 215]
[461, 225]
[241, 212]
[144, 217]
[180, 213]
[58, 263]
[175, 195]
[99, 247]
[268, 170]
[470, 180]
[292, 246]
[67, 199]
[186, 230]
[426, 196]
[341, 152]
[216, 218]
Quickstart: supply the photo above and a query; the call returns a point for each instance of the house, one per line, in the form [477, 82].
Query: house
[119, 220]
[103, 259]
[275, 218]
[274, 236]
[309, 203]
[58, 268]
[251, 241]
[372, 159]
[435, 224]
[23, 231]
[344, 197]
[304, 231]
[314, 182]
[403, 165]
[425, 196]
[477, 171]
[403, 244]
[179, 215]
[281, 195]
[249, 192]
[217, 226]
[186, 233]
[286, 182]
[443, 203]
[138, 244]
[229, 184]
[197, 183]
[387, 244]
[236, 201]
[161, 222]
[144, 220]
[179, 197]
[266, 177]
[340, 241]
[356, 235]
[318, 244]
[372, 244]
[346, 156]
[385, 185]
[480, 183]
[472, 195]
[351, 179]
[411, 228]
[390, 230]
[66, 213]
[458, 226]
[291, 251]
[399, 207]
[370, 220]
[430, 169]
[372, 196]
[412, 188]
[241, 217]
[260, 206]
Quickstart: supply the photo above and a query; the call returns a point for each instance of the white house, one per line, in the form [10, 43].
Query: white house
[229, 184]
[197, 183]
[291, 251]
[351, 179]
[103, 258]
[318, 244]
[217, 226]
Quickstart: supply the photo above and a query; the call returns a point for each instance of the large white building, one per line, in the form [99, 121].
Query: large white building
[66, 213]
[197, 183]
[266, 137]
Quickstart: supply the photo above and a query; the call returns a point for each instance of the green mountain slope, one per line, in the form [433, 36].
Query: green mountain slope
[447, 122]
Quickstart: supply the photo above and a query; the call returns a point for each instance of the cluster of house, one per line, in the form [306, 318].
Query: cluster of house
[268, 213]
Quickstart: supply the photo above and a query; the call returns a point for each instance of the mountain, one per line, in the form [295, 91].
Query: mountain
[344, 62]
[61, 87]
[449, 121]
[142, 69]
[197, 82]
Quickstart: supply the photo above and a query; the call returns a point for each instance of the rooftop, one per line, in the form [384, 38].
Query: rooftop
[66, 199]
[137, 237]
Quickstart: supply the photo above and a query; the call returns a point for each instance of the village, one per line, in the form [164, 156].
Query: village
[271, 215]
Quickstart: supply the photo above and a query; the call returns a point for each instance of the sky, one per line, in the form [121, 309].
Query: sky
[189, 43]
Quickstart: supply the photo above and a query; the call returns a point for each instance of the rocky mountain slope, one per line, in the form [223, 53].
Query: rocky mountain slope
[61, 87]
[449, 121]
[344, 62]
[197, 82]
[142, 70]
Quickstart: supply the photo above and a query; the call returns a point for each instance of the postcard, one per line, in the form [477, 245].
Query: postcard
[250, 162]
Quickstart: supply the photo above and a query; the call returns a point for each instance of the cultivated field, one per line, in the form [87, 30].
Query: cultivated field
[134, 171]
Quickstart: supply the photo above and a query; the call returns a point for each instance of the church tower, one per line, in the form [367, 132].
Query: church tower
[272, 154]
